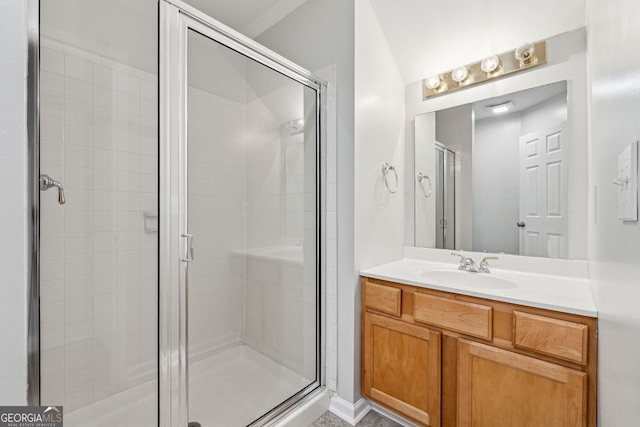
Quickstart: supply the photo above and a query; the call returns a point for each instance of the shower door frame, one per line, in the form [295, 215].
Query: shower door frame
[176, 19]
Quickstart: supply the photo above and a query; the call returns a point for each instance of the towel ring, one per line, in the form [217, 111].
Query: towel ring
[386, 167]
[420, 178]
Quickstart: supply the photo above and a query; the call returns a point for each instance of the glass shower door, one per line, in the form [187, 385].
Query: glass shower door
[251, 157]
[248, 220]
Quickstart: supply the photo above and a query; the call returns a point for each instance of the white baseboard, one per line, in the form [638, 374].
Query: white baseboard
[392, 416]
[352, 413]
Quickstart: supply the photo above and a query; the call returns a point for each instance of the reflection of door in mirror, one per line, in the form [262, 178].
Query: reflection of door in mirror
[520, 173]
[543, 186]
[444, 192]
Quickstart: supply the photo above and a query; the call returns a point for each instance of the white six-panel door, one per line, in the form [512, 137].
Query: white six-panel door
[543, 192]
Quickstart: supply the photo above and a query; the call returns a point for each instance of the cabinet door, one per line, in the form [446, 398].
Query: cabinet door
[401, 368]
[501, 388]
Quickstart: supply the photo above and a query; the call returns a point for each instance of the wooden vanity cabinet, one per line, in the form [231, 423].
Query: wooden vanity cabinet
[443, 359]
[502, 388]
[401, 367]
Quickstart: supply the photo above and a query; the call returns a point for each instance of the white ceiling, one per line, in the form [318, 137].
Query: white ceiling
[126, 30]
[429, 37]
[521, 100]
[249, 17]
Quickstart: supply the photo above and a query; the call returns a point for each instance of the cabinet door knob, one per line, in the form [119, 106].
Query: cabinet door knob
[521, 224]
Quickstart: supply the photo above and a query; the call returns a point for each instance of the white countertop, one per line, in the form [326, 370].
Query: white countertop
[551, 292]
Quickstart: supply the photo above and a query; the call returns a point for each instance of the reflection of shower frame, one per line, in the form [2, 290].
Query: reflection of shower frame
[445, 183]
[176, 20]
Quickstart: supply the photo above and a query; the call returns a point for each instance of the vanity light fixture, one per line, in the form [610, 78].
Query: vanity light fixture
[500, 108]
[526, 54]
[434, 82]
[490, 64]
[492, 67]
[460, 74]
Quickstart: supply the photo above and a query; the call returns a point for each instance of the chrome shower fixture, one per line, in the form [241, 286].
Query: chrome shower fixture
[46, 182]
[294, 126]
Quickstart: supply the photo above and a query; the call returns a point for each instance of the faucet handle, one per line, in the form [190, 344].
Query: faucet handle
[462, 257]
[463, 260]
[484, 265]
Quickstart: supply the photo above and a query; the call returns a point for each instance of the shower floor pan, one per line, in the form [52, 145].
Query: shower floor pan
[229, 389]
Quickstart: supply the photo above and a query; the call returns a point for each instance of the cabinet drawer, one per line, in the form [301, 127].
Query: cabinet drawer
[558, 338]
[460, 316]
[386, 299]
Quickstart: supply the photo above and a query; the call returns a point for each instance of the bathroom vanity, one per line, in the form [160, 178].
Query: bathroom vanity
[442, 347]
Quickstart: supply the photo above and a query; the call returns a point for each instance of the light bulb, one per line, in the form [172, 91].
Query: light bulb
[526, 53]
[459, 74]
[433, 82]
[490, 64]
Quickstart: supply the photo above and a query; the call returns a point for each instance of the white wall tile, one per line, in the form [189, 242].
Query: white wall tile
[51, 106]
[78, 68]
[78, 90]
[91, 124]
[52, 130]
[104, 76]
[77, 134]
[52, 61]
[104, 97]
[149, 90]
[79, 113]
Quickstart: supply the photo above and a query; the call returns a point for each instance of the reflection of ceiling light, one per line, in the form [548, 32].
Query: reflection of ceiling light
[459, 74]
[500, 108]
[490, 64]
[434, 82]
[526, 53]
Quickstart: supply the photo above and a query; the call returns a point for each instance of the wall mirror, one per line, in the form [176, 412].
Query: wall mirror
[493, 175]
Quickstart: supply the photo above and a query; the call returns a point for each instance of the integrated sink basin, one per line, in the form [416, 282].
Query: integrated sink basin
[465, 279]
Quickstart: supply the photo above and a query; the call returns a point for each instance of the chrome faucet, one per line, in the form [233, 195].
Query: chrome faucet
[468, 264]
[484, 265]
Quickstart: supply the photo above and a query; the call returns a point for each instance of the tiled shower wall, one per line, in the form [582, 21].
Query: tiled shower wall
[98, 264]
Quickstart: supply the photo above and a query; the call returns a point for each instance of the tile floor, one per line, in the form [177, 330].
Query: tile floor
[373, 419]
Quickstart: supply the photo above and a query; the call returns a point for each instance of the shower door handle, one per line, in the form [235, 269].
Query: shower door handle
[188, 256]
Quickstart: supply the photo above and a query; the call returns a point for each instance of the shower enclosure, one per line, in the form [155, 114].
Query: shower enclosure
[180, 280]
[445, 190]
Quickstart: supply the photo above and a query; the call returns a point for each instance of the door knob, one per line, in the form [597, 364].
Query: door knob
[521, 224]
[46, 182]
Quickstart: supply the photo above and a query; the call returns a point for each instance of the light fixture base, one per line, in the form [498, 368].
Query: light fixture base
[508, 64]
